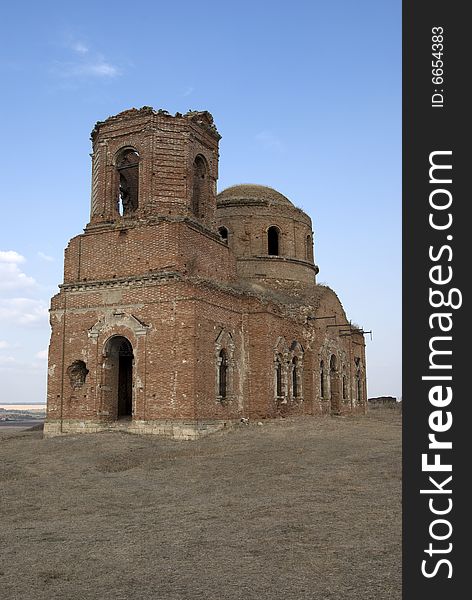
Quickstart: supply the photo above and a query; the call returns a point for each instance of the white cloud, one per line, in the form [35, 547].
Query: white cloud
[42, 354]
[86, 64]
[80, 48]
[11, 256]
[12, 277]
[269, 141]
[99, 68]
[23, 311]
[188, 91]
[45, 257]
[4, 344]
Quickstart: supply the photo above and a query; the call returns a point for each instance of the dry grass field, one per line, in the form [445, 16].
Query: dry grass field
[293, 509]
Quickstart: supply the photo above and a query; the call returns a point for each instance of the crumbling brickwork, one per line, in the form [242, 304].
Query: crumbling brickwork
[182, 311]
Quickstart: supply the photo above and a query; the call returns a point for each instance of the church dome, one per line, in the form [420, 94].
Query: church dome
[271, 238]
[250, 193]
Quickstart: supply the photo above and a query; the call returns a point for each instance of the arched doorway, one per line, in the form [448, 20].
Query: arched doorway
[119, 373]
[334, 385]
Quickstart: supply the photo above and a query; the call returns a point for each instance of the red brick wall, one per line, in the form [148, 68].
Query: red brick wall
[163, 279]
[165, 245]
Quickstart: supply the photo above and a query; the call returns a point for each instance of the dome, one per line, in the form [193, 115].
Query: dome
[250, 193]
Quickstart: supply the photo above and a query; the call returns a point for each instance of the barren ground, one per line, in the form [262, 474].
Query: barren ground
[294, 509]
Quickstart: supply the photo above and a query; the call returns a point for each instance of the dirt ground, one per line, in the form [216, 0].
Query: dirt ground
[293, 509]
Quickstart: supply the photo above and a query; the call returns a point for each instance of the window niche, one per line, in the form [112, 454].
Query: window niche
[359, 395]
[223, 231]
[334, 384]
[201, 187]
[273, 241]
[322, 379]
[223, 375]
[309, 248]
[127, 168]
[295, 376]
[224, 353]
[296, 356]
[279, 387]
[282, 365]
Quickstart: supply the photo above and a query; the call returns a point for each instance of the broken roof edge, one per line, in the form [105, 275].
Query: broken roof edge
[202, 118]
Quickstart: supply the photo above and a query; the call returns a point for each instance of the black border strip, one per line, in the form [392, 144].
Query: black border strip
[441, 125]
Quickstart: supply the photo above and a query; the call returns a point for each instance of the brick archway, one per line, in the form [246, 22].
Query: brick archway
[118, 366]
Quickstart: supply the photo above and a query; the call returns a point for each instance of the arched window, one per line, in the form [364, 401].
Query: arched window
[358, 380]
[127, 166]
[200, 186]
[334, 385]
[278, 377]
[332, 363]
[295, 387]
[273, 241]
[223, 233]
[223, 374]
[322, 379]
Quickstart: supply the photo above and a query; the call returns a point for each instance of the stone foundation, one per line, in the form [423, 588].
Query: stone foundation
[179, 430]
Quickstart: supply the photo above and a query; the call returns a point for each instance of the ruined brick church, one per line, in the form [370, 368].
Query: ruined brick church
[182, 310]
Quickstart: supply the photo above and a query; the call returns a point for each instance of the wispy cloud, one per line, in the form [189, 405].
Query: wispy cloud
[269, 141]
[23, 311]
[79, 47]
[42, 355]
[97, 68]
[45, 257]
[188, 91]
[86, 63]
[4, 344]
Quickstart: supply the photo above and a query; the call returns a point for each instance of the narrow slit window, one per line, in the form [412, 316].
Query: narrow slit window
[322, 379]
[278, 378]
[358, 380]
[223, 375]
[295, 389]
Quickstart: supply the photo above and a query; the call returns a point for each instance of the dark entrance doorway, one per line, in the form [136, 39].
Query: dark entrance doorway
[120, 368]
[125, 380]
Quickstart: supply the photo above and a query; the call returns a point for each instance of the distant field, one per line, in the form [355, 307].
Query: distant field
[39, 407]
[296, 509]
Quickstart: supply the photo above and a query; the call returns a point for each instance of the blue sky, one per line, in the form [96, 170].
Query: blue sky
[307, 97]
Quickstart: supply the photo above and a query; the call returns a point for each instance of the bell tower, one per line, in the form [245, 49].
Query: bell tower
[153, 199]
[148, 164]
